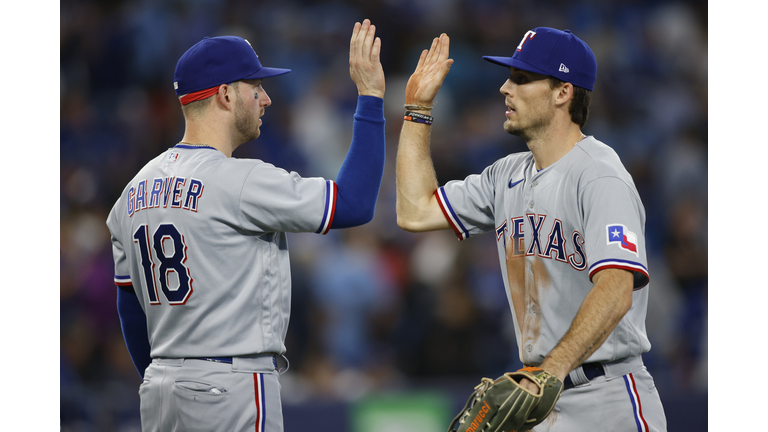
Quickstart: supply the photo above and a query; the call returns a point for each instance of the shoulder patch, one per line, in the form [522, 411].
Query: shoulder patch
[619, 234]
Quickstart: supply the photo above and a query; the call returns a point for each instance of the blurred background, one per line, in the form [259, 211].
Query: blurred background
[389, 330]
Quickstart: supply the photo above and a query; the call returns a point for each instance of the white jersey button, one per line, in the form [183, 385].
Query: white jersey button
[535, 183]
[530, 204]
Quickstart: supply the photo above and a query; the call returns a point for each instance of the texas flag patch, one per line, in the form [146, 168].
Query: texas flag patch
[626, 239]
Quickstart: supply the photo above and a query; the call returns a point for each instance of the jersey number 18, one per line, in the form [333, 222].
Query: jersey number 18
[173, 263]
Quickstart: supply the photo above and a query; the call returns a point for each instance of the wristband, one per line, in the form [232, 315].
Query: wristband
[419, 107]
[418, 118]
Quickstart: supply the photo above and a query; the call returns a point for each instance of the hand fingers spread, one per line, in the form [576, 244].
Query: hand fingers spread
[432, 51]
[353, 44]
[445, 43]
[376, 50]
[362, 35]
[355, 31]
[422, 58]
[356, 47]
[369, 37]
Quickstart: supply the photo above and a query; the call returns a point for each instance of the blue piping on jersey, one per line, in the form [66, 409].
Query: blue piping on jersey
[193, 147]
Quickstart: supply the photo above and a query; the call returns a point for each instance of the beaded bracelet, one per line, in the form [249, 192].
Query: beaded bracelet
[419, 107]
[418, 118]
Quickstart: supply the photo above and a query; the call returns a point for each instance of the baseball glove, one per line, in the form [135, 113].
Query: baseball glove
[501, 405]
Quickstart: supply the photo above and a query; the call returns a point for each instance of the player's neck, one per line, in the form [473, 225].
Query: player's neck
[211, 134]
[551, 146]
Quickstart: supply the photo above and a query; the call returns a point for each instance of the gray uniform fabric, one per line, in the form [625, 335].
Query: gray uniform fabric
[225, 288]
[199, 395]
[201, 238]
[625, 399]
[555, 229]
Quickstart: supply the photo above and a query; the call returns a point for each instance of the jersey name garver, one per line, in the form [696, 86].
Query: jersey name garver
[176, 192]
[552, 246]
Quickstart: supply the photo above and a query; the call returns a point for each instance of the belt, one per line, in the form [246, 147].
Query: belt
[228, 360]
[591, 370]
[256, 363]
[217, 359]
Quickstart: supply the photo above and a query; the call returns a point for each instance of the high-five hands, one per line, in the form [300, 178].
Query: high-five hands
[364, 62]
[433, 66]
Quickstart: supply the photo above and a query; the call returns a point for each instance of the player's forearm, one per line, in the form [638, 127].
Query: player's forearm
[359, 178]
[606, 304]
[417, 208]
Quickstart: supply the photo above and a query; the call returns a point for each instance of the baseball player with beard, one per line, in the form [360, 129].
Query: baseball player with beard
[569, 226]
[200, 247]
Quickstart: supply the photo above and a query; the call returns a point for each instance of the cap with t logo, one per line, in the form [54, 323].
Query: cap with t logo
[219, 60]
[553, 52]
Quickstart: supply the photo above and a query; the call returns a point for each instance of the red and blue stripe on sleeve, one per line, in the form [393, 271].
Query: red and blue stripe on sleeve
[330, 207]
[450, 215]
[639, 270]
[123, 280]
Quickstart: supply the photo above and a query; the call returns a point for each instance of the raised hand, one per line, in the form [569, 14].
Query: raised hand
[364, 62]
[433, 66]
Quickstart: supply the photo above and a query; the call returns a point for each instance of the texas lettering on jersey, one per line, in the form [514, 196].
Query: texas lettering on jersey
[178, 192]
[555, 245]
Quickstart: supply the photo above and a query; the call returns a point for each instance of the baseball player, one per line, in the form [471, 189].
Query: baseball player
[199, 240]
[569, 226]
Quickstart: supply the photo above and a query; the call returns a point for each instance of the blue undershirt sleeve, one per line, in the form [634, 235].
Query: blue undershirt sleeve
[134, 324]
[359, 178]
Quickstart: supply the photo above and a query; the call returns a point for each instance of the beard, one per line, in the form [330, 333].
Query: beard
[532, 127]
[246, 124]
[515, 129]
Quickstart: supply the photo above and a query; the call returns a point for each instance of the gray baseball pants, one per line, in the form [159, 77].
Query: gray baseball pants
[625, 399]
[201, 395]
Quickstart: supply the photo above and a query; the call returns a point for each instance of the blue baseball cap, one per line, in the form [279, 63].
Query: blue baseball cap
[219, 60]
[557, 53]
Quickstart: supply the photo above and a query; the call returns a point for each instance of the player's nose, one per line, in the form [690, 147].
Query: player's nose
[264, 99]
[506, 88]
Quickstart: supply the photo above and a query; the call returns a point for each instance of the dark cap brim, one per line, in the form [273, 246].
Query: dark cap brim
[266, 72]
[515, 63]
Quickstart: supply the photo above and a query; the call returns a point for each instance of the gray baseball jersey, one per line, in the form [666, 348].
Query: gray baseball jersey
[201, 237]
[555, 229]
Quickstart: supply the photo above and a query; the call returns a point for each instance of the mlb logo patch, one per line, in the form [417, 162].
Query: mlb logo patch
[626, 239]
[173, 156]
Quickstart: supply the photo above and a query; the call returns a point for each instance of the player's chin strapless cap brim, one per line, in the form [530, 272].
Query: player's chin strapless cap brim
[553, 52]
[219, 60]
[515, 63]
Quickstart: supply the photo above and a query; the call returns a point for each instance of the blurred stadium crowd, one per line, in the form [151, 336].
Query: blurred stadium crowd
[375, 307]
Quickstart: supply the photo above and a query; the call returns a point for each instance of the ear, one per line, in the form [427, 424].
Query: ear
[563, 94]
[226, 97]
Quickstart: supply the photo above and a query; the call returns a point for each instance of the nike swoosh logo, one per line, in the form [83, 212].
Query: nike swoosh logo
[513, 184]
